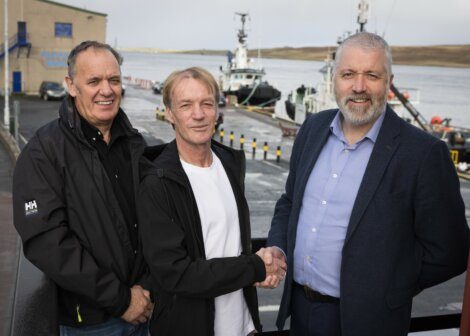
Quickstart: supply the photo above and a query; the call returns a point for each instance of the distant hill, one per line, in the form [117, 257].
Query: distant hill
[439, 55]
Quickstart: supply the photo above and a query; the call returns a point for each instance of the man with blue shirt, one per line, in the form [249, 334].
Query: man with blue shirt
[372, 213]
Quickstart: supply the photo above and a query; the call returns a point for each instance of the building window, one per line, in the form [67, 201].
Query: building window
[63, 29]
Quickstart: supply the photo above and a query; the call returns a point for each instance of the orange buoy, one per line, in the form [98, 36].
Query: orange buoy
[436, 120]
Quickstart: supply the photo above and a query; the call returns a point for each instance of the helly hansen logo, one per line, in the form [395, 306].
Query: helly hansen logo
[30, 208]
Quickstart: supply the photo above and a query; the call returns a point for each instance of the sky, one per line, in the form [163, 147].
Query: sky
[212, 24]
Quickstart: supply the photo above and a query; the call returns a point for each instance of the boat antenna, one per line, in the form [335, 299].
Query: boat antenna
[363, 15]
[389, 17]
[241, 32]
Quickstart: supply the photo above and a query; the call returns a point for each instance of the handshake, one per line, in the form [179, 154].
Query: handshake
[275, 264]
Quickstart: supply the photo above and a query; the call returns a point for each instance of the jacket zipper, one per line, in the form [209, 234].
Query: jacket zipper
[79, 317]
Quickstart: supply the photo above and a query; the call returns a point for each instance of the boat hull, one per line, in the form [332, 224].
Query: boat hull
[263, 95]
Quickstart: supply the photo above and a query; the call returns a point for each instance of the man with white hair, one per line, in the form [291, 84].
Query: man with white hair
[195, 222]
[372, 213]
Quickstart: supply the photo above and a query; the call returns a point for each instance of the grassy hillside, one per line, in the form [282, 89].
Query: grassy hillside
[441, 55]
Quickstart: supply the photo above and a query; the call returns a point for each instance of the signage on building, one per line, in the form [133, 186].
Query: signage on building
[54, 59]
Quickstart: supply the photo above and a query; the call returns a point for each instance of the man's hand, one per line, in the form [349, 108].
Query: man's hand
[275, 263]
[140, 308]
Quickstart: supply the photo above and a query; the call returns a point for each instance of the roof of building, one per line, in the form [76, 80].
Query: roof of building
[72, 7]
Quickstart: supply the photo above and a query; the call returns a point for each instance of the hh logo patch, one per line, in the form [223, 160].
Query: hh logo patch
[30, 208]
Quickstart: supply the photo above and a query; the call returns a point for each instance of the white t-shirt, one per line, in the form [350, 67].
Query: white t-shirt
[221, 233]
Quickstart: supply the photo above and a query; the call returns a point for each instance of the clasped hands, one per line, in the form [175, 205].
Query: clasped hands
[276, 267]
[140, 308]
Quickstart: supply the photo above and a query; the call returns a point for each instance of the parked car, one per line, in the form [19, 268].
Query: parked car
[157, 88]
[51, 90]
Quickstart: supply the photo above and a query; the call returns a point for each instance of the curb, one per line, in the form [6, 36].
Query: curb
[10, 143]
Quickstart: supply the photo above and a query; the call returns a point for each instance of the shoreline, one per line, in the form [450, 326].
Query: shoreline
[452, 56]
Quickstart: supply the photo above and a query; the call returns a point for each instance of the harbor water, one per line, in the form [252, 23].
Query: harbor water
[443, 91]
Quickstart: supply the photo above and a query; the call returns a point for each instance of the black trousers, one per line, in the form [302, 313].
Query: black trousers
[313, 318]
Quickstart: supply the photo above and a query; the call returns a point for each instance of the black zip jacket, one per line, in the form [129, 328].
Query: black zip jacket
[173, 245]
[70, 221]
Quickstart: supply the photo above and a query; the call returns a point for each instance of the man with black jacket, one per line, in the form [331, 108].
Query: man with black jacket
[195, 223]
[74, 202]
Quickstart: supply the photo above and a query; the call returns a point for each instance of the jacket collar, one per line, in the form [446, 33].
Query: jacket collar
[69, 115]
[163, 161]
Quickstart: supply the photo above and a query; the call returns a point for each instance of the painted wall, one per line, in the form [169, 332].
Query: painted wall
[48, 56]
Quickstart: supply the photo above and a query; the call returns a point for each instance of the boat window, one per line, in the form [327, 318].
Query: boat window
[249, 76]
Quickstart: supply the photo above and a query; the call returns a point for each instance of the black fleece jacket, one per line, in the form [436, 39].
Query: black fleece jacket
[171, 234]
[71, 223]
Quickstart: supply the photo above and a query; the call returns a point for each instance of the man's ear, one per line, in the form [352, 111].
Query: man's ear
[169, 116]
[71, 86]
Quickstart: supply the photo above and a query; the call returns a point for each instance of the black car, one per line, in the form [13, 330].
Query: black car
[51, 90]
[157, 88]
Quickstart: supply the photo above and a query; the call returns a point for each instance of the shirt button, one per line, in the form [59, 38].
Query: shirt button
[94, 139]
[99, 133]
[135, 251]
[314, 230]
[335, 175]
[135, 225]
[323, 202]
[116, 176]
[346, 150]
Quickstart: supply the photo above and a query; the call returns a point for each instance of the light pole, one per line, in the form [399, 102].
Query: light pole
[6, 110]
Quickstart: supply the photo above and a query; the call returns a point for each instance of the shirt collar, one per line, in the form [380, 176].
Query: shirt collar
[92, 133]
[372, 134]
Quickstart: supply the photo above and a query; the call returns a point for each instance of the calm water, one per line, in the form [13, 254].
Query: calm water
[443, 91]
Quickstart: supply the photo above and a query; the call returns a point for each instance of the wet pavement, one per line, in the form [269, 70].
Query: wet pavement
[265, 181]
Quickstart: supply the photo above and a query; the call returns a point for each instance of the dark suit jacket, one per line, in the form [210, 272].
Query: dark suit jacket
[407, 229]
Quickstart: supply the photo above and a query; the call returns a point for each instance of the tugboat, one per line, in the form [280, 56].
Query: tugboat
[242, 79]
[306, 100]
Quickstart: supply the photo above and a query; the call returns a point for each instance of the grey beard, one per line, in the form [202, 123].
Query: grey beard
[360, 116]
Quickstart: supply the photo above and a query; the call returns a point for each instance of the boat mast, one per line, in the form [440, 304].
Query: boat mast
[241, 32]
[241, 57]
[363, 14]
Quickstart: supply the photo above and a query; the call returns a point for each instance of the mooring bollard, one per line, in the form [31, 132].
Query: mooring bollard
[253, 146]
[265, 150]
[242, 141]
[221, 134]
[278, 154]
[231, 138]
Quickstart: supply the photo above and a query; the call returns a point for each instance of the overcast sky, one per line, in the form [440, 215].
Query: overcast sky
[211, 24]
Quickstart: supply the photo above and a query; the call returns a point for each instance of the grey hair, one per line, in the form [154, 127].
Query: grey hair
[72, 59]
[366, 41]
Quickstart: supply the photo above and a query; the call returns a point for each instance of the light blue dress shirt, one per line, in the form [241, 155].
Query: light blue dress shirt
[326, 208]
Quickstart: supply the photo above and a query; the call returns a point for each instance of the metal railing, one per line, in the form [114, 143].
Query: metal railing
[33, 309]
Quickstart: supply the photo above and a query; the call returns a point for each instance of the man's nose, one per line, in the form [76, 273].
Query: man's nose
[105, 88]
[359, 84]
[198, 112]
